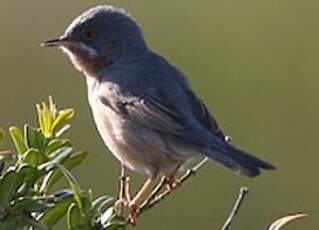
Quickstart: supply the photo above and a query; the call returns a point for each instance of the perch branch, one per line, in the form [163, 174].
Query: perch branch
[239, 201]
[153, 199]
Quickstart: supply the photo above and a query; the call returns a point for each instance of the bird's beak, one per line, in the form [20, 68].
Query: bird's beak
[57, 42]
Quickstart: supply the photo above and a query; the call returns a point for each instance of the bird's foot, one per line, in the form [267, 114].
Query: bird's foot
[124, 197]
[121, 202]
[171, 183]
[133, 213]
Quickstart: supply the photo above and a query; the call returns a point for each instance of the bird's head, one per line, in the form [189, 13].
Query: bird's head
[99, 37]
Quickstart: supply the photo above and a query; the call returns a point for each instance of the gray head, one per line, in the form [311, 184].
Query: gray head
[99, 37]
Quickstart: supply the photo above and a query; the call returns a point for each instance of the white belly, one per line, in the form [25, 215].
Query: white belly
[135, 146]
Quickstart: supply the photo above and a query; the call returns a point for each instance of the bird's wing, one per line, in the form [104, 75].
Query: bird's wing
[163, 107]
[161, 99]
[149, 112]
[202, 114]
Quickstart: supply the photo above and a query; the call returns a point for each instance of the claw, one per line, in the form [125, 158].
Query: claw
[133, 213]
[121, 202]
[171, 183]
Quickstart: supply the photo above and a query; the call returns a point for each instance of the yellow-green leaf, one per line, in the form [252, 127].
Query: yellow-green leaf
[18, 139]
[62, 118]
[47, 121]
[52, 107]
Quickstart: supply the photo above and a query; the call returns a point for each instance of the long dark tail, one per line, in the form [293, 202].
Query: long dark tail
[238, 160]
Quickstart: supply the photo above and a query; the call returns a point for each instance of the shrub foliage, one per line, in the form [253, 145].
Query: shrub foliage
[41, 156]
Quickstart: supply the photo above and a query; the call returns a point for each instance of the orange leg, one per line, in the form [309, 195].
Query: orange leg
[139, 197]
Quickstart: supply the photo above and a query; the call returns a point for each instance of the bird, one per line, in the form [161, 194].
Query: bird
[143, 106]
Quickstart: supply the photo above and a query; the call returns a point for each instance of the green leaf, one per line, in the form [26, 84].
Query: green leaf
[34, 138]
[29, 205]
[57, 157]
[55, 213]
[30, 176]
[55, 144]
[86, 205]
[63, 194]
[99, 204]
[111, 221]
[29, 221]
[76, 219]
[117, 223]
[21, 222]
[63, 130]
[10, 223]
[17, 138]
[70, 163]
[106, 216]
[33, 157]
[73, 184]
[9, 185]
[62, 118]
[60, 155]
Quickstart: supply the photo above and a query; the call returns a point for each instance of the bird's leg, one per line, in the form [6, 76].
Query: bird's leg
[169, 181]
[123, 199]
[127, 190]
[171, 184]
[138, 198]
[154, 192]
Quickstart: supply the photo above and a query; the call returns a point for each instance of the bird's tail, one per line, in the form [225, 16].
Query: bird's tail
[238, 160]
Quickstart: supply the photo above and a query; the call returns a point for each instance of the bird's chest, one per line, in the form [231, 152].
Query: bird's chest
[118, 132]
[112, 127]
[134, 145]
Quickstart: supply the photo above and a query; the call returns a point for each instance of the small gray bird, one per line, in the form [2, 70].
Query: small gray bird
[144, 108]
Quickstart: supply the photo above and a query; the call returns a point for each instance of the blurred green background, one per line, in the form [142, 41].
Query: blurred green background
[254, 62]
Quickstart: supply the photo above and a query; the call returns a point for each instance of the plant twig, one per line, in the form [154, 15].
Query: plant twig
[243, 191]
[149, 203]
[279, 223]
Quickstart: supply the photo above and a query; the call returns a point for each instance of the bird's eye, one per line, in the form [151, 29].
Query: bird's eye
[90, 34]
